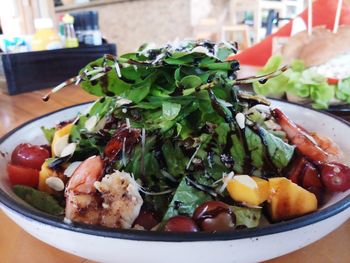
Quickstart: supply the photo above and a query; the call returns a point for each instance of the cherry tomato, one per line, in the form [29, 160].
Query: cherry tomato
[296, 169]
[335, 176]
[181, 224]
[146, 219]
[214, 216]
[311, 177]
[30, 156]
[115, 145]
[23, 175]
[332, 81]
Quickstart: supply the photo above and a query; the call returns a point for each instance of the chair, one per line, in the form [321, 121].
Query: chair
[256, 7]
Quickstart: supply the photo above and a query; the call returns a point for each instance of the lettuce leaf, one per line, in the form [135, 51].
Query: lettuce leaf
[301, 82]
[280, 152]
[274, 87]
[185, 200]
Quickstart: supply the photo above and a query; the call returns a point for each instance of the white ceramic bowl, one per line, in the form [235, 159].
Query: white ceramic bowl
[129, 246]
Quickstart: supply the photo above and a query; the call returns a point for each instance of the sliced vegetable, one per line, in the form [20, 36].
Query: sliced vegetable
[38, 199]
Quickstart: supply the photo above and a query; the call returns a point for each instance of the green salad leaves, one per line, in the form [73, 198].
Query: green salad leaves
[305, 84]
[176, 119]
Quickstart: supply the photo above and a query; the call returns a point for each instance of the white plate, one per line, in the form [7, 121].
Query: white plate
[127, 246]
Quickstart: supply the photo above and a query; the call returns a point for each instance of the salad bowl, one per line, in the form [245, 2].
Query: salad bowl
[127, 246]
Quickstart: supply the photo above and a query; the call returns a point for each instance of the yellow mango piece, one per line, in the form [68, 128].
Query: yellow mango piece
[288, 200]
[57, 138]
[45, 173]
[251, 190]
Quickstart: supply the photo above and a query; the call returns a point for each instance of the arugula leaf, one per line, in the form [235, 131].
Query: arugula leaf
[185, 200]
[255, 148]
[175, 160]
[170, 110]
[238, 153]
[280, 152]
[223, 52]
[40, 200]
[249, 217]
[48, 133]
[191, 81]
[222, 131]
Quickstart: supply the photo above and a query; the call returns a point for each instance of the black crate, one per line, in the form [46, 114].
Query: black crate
[44, 69]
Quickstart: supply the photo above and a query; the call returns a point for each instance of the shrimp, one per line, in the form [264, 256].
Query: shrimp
[82, 201]
[113, 202]
[121, 200]
[327, 144]
[310, 146]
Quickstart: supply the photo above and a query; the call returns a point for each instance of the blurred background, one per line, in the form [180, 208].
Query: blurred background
[129, 23]
[43, 42]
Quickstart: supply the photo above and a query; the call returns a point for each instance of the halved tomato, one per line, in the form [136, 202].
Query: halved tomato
[23, 175]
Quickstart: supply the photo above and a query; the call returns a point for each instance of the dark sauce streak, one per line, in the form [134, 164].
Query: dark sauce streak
[269, 168]
[46, 97]
[214, 213]
[177, 204]
[247, 164]
[104, 83]
[263, 81]
[158, 153]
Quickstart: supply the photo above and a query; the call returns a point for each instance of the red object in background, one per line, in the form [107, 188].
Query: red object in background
[323, 14]
[332, 81]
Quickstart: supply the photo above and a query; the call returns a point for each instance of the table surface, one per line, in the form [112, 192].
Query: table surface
[18, 246]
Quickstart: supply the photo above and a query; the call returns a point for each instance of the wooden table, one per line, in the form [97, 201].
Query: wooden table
[18, 246]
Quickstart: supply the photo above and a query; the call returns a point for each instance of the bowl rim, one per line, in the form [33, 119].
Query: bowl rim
[253, 233]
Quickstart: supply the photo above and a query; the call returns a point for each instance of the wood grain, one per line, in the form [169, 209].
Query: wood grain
[18, 246]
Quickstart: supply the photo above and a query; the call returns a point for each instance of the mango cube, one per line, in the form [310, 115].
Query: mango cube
[250, 190]
[60, 139]
[288, 200]
[45, 173]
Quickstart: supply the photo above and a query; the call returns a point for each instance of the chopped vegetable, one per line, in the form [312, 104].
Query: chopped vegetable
[38, 199]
